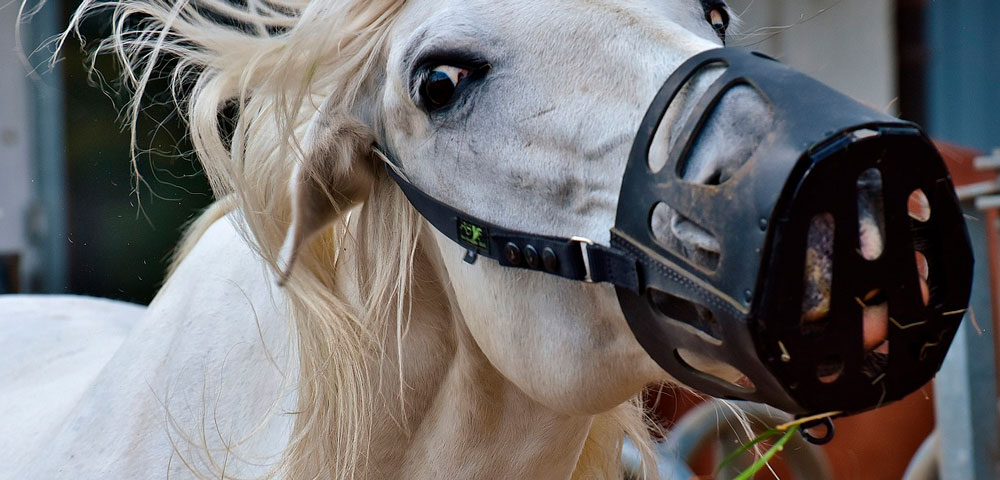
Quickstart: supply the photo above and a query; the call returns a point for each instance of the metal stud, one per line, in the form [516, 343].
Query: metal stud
[550, 260]
[513, 254]
[531, 256]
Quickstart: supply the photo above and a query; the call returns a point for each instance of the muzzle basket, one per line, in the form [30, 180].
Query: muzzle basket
[747, 311]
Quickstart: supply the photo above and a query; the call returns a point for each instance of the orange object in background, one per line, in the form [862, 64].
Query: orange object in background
[960, 165]
[879, 444]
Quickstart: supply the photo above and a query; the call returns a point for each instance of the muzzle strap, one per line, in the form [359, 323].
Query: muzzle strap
[574, 258]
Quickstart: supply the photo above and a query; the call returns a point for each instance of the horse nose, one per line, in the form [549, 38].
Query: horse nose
[711, 154]
[819, 262]
[876, 324]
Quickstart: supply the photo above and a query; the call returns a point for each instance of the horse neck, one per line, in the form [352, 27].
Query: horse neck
[460, 418]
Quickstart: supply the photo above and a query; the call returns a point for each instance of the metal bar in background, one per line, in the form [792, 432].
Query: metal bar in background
[966, 386]
[47, 217]
[992, 217]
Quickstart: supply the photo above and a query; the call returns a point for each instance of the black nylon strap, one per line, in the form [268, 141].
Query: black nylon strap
[571, 258]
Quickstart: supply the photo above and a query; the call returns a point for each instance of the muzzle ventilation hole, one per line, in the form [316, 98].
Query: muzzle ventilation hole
[871, 215]
[714, 158]
[684, 237]
[715, 369]
[871, 246]
[818, 272]
[876, 361]
[830, 370]
[875, 318]
[919, 207]
[700, 319]
[924, 270]
[677, 114]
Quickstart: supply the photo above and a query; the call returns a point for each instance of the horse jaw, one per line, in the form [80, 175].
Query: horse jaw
[540, 145]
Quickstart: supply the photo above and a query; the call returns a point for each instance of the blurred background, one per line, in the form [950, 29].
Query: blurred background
[72, 219]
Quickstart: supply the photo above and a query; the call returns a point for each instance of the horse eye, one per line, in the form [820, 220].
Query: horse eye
[440, 85]
[718, 17]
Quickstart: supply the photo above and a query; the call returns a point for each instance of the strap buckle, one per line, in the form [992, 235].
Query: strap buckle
[584, 243]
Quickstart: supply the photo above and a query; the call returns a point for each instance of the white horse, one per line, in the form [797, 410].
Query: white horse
[383, 354]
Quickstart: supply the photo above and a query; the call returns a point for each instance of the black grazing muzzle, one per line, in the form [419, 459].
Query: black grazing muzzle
[789, 216]
[747, 311]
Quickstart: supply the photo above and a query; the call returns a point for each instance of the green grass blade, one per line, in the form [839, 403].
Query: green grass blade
[745, 448]
[762, 461]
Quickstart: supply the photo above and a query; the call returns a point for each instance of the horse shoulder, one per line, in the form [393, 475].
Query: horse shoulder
[203, 382]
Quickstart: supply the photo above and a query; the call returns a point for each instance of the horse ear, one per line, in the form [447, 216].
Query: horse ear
[335, 174]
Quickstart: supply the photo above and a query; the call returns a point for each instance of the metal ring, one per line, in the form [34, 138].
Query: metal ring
[584, 243]
[825, 439]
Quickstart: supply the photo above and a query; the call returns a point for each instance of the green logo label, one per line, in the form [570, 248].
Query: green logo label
[472, 234]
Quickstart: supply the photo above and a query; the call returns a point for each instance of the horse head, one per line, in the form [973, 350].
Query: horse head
[523, 114]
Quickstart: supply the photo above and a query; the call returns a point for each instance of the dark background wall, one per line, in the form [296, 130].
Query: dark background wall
[121, 236]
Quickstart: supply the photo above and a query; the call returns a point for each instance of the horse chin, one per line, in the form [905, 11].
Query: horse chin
[600, 380]
[566, 345]
[589, 390]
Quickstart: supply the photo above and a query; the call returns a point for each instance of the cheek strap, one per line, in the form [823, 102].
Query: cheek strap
[573, 258]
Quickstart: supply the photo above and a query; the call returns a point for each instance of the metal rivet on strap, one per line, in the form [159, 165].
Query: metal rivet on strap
[550, 260]
[513, 254]
[531, 256]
